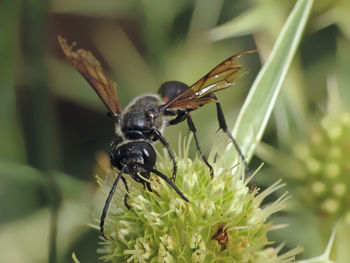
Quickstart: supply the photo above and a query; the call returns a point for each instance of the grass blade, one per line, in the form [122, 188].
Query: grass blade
[261, 99]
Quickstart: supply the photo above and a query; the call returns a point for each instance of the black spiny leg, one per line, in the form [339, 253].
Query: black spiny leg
[126, 195]
[146, 175]
[194, 131]
[108, 201]
[148, 185]
[223, 126]
[165, 178]
[179, 118]
[167, 147]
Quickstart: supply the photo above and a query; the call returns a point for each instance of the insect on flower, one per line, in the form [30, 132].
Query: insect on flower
[142, 122]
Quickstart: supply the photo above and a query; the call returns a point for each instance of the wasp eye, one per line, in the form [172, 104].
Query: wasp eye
[150, 115]
[149, 155]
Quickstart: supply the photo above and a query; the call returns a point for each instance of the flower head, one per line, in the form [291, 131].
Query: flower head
[324, 166]
[222, 222]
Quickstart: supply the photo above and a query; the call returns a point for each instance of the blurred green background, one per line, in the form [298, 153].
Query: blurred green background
[54, 129]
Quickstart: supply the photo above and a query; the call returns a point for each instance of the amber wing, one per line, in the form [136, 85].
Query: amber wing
[221, 77]
[91, 69]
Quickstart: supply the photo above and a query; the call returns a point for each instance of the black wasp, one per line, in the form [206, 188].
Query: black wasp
[144, 119]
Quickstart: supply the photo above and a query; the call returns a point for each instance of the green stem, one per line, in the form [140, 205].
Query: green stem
[42, 147]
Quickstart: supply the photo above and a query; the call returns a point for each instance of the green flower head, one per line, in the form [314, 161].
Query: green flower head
[222, 222]
[324, 165]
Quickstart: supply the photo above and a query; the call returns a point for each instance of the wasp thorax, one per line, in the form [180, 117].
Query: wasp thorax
[130, 154]
[137, 123]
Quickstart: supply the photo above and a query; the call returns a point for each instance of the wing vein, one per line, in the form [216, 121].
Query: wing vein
[221, 77]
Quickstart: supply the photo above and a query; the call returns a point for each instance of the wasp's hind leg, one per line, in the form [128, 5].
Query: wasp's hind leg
[223, 126]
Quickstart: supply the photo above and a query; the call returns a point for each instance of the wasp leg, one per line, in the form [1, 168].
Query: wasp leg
[223, 126]
[165, 178]
[146, 175]
[167, 147]
[126, 195]
[194, 131]
[108, 201]
[148, 185]
[180, 118]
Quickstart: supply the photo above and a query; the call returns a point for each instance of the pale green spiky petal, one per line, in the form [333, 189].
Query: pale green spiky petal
[75, 259]
[325, 257]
